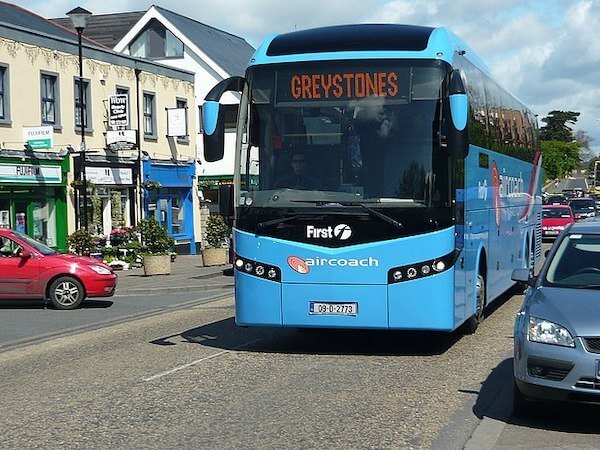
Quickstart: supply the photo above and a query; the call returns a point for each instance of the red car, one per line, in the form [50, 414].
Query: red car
[29, 269]
[554, 219]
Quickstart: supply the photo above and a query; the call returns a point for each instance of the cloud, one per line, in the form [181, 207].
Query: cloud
[544, 52]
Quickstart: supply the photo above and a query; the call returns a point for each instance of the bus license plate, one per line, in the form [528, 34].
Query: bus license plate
[335, 309]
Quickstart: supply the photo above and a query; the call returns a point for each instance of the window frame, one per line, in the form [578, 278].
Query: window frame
[87, 105]
[124, 90]
[181, 102]
[153, 135]
[5, 94]
[44, 74]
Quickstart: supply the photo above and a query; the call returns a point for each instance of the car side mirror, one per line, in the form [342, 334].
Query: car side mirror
[24, 254]
[524, 276]
[546, 253]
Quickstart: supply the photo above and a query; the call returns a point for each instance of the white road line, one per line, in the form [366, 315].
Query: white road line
[193, 363]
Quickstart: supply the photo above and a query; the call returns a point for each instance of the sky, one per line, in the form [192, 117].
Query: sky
[543, 51]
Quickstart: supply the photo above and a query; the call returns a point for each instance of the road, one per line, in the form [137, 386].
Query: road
[31, 321]
[191, 378]
[188, 377]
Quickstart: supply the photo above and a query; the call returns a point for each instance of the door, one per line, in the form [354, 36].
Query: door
[19, 275]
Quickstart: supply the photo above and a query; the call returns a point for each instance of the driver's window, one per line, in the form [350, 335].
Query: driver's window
[8, 247]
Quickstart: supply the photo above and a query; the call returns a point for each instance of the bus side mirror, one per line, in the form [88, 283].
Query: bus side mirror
[214, 131]
[212, 118]
[457, 132]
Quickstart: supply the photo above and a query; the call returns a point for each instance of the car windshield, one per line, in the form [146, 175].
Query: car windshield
[38, 246]
[555, 213]
[576, 263]
[582, 204]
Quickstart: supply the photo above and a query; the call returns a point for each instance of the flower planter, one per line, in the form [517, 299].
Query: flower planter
[214, 256]
[157, 265]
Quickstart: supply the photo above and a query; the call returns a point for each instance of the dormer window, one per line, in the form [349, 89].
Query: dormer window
[156, 42]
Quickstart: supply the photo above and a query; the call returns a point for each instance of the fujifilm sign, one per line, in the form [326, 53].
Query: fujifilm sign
[341, 232]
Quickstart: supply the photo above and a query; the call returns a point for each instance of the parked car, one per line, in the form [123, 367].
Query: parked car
[583, 207]
[557, 330]
[31, 270]
[554, 219]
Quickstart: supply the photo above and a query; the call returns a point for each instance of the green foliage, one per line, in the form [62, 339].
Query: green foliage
[155, 239]
[217, 231]
[81, 242]
[557, 126]
[559, 157]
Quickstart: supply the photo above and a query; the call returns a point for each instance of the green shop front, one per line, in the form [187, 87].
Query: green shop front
[33, 195]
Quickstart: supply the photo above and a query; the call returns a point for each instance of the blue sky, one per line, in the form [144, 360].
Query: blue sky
[544, 51]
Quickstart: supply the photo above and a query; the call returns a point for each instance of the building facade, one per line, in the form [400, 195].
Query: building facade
[135, 118]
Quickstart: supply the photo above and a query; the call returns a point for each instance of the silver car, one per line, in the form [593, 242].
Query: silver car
[557, 330]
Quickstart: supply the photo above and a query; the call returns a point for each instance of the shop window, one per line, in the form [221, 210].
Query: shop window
[108, 208]
[4, 98]
[87, 120]
[49, 98]
[44, 222]
[168, 208]
[150, 115]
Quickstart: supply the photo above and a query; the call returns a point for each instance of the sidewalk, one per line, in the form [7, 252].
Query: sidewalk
[187, 274]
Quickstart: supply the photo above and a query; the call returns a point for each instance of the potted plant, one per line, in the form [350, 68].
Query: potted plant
[81, 242]
[217, 233]
[150, 185]
[157, 243]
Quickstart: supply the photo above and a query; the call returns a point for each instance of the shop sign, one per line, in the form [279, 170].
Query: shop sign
[39, 137]
[30, 174]
[176, 122]
[109, 175]
[121, 139]
[118, 106]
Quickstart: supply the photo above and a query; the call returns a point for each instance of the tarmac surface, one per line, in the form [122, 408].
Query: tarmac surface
[187, 273]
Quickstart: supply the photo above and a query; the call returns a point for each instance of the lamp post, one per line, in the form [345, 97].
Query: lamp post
[79, 17]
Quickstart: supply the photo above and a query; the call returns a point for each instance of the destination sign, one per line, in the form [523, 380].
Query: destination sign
[349, 84]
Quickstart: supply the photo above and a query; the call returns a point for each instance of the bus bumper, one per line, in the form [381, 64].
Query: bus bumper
[426, 303]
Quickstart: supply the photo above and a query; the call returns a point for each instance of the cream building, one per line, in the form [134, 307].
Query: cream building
[127, 102]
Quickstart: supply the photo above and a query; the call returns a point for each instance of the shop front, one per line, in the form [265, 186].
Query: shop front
[33, 195]
[111, 194]
[168, 196]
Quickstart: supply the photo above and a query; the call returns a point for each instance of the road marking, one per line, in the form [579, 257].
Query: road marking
[198, 361]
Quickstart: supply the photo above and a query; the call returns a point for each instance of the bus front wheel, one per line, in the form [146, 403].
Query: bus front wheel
[473, 322]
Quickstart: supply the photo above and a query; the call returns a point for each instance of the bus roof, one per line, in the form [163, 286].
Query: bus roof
[364, 41]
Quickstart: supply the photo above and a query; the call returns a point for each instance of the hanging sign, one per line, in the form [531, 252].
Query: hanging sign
[121, 139]
[118, 110]
[176, 122]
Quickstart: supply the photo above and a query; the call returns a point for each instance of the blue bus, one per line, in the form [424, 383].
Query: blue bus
[383, 180]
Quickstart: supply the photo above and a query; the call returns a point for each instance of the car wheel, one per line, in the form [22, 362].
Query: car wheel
[521, 407]
[473, 322]
[66, 293]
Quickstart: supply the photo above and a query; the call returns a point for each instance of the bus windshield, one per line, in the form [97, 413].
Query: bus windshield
[347, 132]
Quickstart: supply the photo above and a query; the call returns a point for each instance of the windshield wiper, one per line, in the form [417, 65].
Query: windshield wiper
[370, 210]
[280, 220]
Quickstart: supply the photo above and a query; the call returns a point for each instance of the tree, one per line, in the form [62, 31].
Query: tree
[557, 126]
[559, 158]
[586, 154]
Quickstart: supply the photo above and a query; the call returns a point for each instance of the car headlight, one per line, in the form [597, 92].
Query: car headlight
[547, 332]
[100, 270]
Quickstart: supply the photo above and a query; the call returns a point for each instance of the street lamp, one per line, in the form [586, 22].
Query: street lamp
[79, 17]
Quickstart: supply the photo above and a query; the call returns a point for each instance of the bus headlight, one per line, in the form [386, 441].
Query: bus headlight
[423, 269]
[257, 269]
